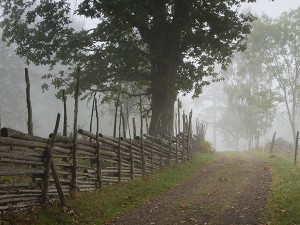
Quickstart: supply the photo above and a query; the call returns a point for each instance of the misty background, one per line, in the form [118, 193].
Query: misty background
[207, 108]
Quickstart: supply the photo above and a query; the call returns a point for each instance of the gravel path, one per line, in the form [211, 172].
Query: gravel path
[232, 190]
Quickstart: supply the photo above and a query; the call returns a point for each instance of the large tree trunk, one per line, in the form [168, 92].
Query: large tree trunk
[164, 94]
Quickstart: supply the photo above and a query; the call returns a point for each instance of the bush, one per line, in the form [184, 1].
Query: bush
[205, 146]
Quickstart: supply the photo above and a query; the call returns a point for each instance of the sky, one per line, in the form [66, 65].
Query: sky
[272, 8]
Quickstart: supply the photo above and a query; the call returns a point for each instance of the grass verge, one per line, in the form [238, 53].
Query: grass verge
[284, 201]
[107, 204]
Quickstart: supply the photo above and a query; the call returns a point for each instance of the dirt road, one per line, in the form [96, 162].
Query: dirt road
[232, 190]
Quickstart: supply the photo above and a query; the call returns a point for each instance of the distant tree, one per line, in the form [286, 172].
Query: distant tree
[212, 103]
[232, 128]
[250, 99]
[275, 44]
[169, 46]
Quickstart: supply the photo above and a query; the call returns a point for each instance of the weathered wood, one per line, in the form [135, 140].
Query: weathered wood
[20, 161]
[28, 100]
[142, 139]
[119, 148]
[50, 164]
[99, 172]
[23, 143]
[189, 135]
[9, 171]
[134, 127]
[75, 134]
[8, 132]
[69, 140]
[92, 115]
[116, 115]
[178, 108]
[65, 126]
[13, 155]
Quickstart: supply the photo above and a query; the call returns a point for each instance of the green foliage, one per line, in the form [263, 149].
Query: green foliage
[274, 46]
[205, 146]
[131, 38]
[251, 103]
[159, 47]
[284, 198]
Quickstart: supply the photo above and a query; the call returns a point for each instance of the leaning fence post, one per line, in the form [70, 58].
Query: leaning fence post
[29, 108]
[296, 148]
[50, 164]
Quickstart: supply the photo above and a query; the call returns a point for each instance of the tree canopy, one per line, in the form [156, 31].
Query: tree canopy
[163, 46]
[275, 44]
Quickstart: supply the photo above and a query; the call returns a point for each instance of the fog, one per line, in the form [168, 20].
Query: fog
[208, 107]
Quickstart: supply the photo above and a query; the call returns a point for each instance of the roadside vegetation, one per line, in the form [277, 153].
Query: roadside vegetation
[101, 206]
[285, 194]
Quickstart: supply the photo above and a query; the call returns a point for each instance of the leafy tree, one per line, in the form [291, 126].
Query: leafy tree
[167, 46]
[275, 43]
[250, 99]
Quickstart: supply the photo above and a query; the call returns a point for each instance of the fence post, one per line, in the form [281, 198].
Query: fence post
[189, 135]
[29, 108]
[131, 160]
[272, 144]
[92, 115]
[296, 148]
[131, 152]
[142, 140]
[152, 165]
[116, 112]
[65, 127]
[170, 149]
[119, 148]
[75, 135]
[161, 146]
[178, 108]
[134, 127]
[99, 170]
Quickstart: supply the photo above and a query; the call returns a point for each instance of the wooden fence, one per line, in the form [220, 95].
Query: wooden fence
[35, 170]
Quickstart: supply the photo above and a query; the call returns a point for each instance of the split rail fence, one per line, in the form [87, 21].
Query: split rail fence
[40, 169]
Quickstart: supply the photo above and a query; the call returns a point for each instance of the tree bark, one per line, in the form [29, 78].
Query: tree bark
[164, 95]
